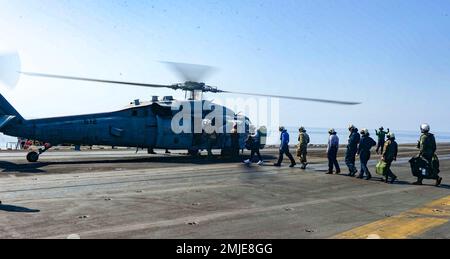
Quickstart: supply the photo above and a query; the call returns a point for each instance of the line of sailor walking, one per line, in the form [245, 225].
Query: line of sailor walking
[360, 144]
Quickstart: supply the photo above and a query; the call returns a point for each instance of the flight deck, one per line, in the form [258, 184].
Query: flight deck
[121, 194]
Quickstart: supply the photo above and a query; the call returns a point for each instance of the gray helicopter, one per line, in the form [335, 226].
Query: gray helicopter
[163, 123]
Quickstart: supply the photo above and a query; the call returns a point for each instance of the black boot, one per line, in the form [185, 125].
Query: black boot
[419, 182]
[393, 179]
[438, 182]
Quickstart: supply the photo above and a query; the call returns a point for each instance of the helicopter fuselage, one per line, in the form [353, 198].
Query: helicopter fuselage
[139, 125]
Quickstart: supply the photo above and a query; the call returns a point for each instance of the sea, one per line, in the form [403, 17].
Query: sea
[318, 136]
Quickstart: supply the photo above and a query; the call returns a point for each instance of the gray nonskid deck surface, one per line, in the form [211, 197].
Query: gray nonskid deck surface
[112, 194]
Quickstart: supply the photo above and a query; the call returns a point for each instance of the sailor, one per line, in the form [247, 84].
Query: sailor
[235, 141]
[381, 139]
[389, 156]
[352, 149]
[302, 148]
[284, 148]
[364, 148]
[427, 147]
[211, 136]
[332, 150]
[254, 144]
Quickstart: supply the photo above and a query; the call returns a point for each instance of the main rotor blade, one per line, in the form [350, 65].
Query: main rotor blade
[96, 80]
[9, 65]
[190, 72]
[298, 98]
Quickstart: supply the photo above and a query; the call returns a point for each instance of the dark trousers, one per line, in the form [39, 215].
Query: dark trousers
[302, 155]
[350, 160]
[332, 160]
[364, 168]
[380, 145]
[389, 172]
[285, 151]
[253, 152]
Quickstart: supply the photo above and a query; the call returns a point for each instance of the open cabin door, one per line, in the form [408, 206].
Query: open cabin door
[166, 138]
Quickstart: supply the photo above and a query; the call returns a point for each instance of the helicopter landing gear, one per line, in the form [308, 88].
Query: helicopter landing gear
[33, 156]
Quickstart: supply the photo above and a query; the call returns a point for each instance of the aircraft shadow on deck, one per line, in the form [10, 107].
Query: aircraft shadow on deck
[17, 209]
[10, 167]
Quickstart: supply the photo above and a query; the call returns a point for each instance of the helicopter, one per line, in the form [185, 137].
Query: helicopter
[163, 123]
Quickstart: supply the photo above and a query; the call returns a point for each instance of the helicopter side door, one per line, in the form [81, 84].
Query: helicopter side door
[166, 138]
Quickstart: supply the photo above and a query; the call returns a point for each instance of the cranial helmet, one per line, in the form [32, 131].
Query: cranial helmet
[302, 129]
[364, 132]
[351, 127]
[282, 128]
[425, 128]
[391, 135]
[332, 131]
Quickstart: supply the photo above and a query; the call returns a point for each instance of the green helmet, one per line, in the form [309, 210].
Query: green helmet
[302, 129]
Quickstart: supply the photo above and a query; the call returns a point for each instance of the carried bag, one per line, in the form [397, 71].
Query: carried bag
[421, 168]
[381, 168]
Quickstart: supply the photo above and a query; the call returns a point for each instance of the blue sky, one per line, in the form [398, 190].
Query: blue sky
[394, 56]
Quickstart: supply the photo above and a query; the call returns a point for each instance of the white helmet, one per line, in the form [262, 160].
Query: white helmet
[425, 128]
[351, 127]
[365, 132]
[391, 135]
[332, 131]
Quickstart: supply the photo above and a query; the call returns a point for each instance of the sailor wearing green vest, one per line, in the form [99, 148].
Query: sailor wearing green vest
[427, 147]
[381, 139]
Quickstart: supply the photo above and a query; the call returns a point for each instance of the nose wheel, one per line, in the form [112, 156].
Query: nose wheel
[33, 157]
